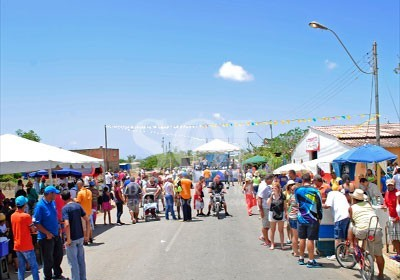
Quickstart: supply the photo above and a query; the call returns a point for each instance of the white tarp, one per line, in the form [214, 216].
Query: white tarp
[323, 163]
[22, 155]
[291, 166]
[217, 146]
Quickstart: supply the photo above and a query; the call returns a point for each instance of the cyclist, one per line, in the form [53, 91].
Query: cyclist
[361, 214]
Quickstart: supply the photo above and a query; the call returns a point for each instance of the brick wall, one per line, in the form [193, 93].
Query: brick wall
[112, 156]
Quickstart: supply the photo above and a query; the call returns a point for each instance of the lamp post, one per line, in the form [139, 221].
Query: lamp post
[374, 72]
[254, 132]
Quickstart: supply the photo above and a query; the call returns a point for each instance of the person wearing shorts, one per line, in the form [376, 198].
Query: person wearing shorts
[293, 210]
[133, 194]
[308, 218]
[391, 197]
[264, 192]
[364, 224]
[337, 201]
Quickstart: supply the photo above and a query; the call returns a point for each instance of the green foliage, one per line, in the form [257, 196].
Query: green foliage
[162, 160]
[278, 149]
[31, 135]
[6, 177]
[131, 158]
[285, 143]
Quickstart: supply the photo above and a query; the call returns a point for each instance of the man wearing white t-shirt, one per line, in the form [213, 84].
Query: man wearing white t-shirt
[264, 192]
[337, 201]
[108, 178]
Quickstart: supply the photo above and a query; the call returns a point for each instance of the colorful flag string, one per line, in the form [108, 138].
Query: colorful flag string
[239, 124]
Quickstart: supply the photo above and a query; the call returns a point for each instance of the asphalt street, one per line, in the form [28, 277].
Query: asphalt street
[206, 248]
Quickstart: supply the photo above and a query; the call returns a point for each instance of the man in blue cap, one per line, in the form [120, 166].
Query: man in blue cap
[45, 220]
[22, 226]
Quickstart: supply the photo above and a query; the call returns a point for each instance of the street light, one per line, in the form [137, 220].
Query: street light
[254, 132]
[263, 140]
[374, 72]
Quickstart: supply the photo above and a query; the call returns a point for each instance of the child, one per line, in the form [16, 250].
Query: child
[106, 204]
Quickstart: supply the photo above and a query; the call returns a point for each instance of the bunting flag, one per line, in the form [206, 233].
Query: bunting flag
[239, 124]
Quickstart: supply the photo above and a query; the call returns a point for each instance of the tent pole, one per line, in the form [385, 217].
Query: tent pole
[50, 177]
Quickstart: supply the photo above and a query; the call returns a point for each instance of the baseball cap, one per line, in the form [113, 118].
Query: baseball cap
[390, 182]
[290, 182]
[51, 189]
[21, 201]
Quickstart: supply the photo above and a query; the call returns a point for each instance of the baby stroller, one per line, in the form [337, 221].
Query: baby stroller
[149, 208]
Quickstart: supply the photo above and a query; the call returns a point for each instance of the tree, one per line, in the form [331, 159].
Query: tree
[131, 158]
[279, 149]
[285, 143]
[31, 135]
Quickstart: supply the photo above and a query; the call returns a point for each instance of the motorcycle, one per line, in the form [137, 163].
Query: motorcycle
[217, 204]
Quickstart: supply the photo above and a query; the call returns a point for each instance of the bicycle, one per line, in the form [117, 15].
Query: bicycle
[348, 258]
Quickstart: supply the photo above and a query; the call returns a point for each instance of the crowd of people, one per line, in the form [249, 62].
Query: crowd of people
[299, 202]
[64, 216]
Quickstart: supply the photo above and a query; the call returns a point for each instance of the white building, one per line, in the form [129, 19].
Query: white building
[324, 143]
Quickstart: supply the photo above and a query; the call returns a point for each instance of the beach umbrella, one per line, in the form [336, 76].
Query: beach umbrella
[255, 160]
[367, 153]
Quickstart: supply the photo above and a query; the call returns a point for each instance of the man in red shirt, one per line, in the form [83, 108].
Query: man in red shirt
[394, 219]
[21, 226]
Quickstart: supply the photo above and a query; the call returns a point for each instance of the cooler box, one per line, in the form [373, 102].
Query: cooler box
[326, 248]
[326, 242]
[4, 248]
[326, 232]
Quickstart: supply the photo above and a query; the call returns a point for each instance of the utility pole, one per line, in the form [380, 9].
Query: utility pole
[375, 73]
[270, 127]
[105, 150]
[170, 154]
[162, 145]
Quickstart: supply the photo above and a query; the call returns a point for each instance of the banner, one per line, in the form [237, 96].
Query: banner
[312, 143]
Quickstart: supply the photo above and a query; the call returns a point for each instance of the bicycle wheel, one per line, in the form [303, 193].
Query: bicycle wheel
[367, 270]
[344, 257]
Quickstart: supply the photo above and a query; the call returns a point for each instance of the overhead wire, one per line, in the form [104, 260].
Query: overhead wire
[335, 85]
[392, 99]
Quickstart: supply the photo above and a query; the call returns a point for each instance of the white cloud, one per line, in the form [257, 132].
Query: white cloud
[218, 116]
[230, 71]
[330, 64]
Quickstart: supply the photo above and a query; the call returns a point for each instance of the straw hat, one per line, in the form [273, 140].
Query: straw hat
[359, 195]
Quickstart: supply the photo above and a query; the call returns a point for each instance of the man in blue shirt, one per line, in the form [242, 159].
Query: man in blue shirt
[308, 219]
[72, 215]
[45, 220]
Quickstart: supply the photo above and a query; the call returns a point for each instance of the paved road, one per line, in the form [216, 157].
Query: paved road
[205, 248]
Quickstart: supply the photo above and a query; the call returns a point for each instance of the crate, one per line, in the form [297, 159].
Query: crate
[4, 248]
[326, 247]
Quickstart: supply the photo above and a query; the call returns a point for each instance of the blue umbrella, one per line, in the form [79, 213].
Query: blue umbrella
[60, 172]
[367, 153]
[39, 173]
[67, 172]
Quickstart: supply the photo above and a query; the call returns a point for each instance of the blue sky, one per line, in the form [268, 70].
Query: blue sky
[70, 67]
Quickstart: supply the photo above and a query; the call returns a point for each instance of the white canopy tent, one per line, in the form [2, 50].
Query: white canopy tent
[217, 146]
[291, 166]
[22, 155]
